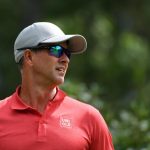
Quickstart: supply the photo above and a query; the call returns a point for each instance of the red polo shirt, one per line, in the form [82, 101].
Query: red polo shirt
[66, 124]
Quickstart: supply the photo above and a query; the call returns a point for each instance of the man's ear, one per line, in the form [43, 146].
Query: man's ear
[28, 56]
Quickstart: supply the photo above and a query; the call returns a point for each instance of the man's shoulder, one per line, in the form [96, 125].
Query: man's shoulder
[71, 100]
[80, 105]
[83, 110]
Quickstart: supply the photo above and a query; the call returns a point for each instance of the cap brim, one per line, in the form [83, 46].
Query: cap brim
[77, 43]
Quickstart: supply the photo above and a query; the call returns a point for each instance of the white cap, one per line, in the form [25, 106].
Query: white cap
[45, 33]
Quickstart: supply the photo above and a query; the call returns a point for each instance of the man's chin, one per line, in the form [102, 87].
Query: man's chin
[60, 81]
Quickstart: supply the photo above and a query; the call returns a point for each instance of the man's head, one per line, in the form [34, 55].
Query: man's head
[45, 33]
[43, 52]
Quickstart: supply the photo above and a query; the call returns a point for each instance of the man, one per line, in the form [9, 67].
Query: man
[40, 116]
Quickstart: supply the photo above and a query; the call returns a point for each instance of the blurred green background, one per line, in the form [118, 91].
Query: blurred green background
[114, 73]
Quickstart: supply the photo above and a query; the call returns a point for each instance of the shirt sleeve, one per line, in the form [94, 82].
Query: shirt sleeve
[101, 138]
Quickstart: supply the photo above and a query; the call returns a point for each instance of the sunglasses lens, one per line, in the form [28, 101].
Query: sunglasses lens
[56, 51]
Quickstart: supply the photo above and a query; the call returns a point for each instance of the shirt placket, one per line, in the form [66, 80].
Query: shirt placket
[42, 129]
[43, 124]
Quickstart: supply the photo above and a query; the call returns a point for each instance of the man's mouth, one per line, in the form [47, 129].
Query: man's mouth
[61, 69]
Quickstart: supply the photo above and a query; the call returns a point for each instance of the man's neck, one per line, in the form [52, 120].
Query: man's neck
[37, 97]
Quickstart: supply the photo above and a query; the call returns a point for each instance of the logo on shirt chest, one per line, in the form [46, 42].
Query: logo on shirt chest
[65, 122]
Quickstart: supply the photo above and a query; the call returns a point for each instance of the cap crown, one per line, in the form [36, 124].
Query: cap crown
[36, 33]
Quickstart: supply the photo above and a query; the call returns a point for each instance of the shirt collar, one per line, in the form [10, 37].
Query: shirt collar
[18, 104]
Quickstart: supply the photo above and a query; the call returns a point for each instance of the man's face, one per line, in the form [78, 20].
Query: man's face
[49, 69]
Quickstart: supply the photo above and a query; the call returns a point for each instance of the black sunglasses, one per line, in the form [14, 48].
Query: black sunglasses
[54, 50]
